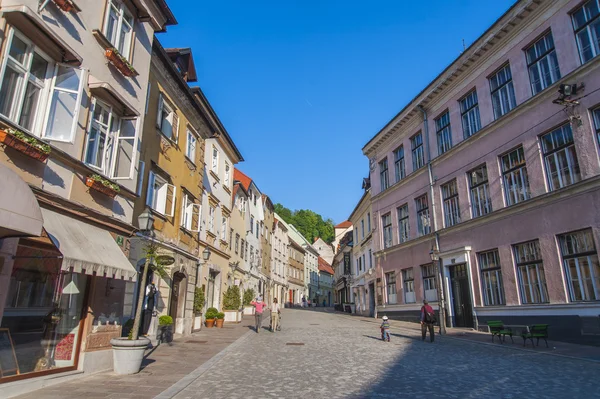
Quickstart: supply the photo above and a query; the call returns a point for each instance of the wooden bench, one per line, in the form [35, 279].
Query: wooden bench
[497, 328]
[536, 331]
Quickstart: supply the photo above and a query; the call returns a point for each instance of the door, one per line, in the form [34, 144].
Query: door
[372, 300]
[174, 303]
[461, 296]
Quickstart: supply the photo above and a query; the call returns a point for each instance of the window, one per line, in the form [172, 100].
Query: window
[370, 258]
[423, 225]
[251, 255]
[252, 224]
[481, 203]
[408, 281]
[369, 221]
[161, 195]
[390, 281]
[211, 219]
[190, 150]
[469, 112]
[587, 25]
[227, 179]
[190, 213]
[503, 93]
[242, 247]
[444, 133]
[237, 244]
[530, 272]
[362, 229]
[399, 163]
[560, 157]
[118, 27]
[429, 286]
[140, 178]
[403, 229]
[387, 230]
[383, 174]
[230, 238]
[416, 145]
[597, 123]
[514, 177]
[542, 63]
[167, 120]
[223, 228]
[491, 278]
[246, 253]
[65, 97]
[451, 205]
[215, 160]
[581, 265]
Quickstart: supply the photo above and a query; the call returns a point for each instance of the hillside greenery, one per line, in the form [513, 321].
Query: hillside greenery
[310, 224]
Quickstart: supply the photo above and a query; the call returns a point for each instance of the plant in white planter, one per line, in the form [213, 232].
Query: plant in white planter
[248, 297]
[232, 304]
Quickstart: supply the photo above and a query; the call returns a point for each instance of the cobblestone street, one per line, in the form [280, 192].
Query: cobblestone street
[341, 357]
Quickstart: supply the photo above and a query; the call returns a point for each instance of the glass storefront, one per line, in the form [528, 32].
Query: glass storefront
[41, 321]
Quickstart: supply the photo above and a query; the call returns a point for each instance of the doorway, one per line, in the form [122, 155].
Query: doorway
[461, 296]
[178, 282]
[372, 300]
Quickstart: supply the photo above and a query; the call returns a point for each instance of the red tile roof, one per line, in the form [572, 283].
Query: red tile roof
[242, 178]
[344, 225]
[325, 267]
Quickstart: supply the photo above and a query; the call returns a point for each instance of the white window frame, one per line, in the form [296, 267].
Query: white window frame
[408, 283]
[388, 235]
[384, 179]
[122, 11]
[423, 217]
[227, 177]
[586, 29]
[215, 160]
[560, 157]
[580, 261]
[190, 211]
[164, 106]
[224, 225]
[191, 145]
[492, 287]
[469, 114]
[418, 156]
[399, 165]
[514, 176]
[390, 282]
[443, 132]
[503, 94]
[158, 198]
[528, 260]
[403, 223]
[428, 273]
[451, 203]
[542, 55]
[211, 218]
[479, 189]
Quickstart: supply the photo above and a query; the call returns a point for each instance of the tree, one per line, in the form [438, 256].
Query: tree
[309, 223]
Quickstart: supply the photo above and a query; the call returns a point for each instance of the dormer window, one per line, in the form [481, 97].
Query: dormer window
[118, 27]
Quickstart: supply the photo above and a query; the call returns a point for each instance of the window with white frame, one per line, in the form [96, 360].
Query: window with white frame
[387, 230]
[190, 150]
[481, 202]
[408, 282]
[530, 272]
[560, 157]
[429, 286]
[190, 213]
[587, 25]
[246, 253]
[251, 224]
[444, 133]
[224, 228]
[32, 83]
[416, 145]
[390, 281]
[399, 163]
[469, 112]
[403, 226]
[597, 123]
[514, 176]
[370, 258]
[362, 229]
[230, 238]
[542, 63]
[423, 222]
[242, 249]
[582, 269]
[167, 120]
[369, 221]
[161, 195]
[237, 244]
[211, 219]
[118, 27]
[227, 178]
[503, 92]
[215, 160]
[491, 278]
[451, 204]
[383, 174]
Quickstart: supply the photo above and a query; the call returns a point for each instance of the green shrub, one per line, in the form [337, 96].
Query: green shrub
[231, 299]
[248, 296]
[220, 315]
[211, 313]
[165, 320]
[198, 299]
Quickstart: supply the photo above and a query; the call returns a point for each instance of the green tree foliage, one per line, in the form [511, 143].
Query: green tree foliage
[248, 296]
[310, 224]
[231, 299]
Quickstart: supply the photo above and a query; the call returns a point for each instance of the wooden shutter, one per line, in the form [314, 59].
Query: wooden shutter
[195, 217]
[150, 189]
[175, 126]
[159, 112]
[170, 200]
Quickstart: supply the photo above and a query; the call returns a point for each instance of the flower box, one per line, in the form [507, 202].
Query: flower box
[34, 148]
[65, 5]
[99, 185]
[113, 56]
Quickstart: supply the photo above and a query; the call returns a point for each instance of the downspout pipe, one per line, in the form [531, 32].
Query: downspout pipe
[429, 169]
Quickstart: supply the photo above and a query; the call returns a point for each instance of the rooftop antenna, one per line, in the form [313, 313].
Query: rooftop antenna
[464, 45]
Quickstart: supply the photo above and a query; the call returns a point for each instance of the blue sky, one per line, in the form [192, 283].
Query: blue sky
[302, 85]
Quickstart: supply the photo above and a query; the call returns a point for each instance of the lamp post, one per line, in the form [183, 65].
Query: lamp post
[146, 225]
[435, 258]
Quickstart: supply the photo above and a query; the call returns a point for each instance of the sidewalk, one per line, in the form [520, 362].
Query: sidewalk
[163, 367]
[555, 348]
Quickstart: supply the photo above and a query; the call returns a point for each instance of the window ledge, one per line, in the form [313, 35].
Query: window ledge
[226, 189]
[210, 233]
[107, 45]
[213, 174]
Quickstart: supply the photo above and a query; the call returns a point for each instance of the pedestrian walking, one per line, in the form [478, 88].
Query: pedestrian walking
[427, 321]
[385, 329]
[275, 311]
[303, 301]
[259, 307]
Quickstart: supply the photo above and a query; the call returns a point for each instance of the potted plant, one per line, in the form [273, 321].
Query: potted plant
[199, 299]
[248, 297]
[102, 185]
[165, 328]
[219, 320]
[211, 316]
[65, 5]
[120, 62]
[232, 304]
[25, 144]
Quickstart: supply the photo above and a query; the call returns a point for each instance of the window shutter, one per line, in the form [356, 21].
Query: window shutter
[184, 206]
[159, 112]
[195, 217]
[175, 126]
[170, 200]
[150, 189]
[140, 177]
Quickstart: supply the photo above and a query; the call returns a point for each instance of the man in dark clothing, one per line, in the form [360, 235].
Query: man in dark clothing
[427, 320]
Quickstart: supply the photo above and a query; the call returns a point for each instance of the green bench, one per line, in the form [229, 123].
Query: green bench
[497, 328]
[536, 331]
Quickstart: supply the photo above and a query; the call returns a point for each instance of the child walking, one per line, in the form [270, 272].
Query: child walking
[385, 329]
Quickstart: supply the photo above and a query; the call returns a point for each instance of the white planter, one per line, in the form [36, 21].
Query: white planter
[248, 310]
[128, 354]
[197, 323]
[232, 316]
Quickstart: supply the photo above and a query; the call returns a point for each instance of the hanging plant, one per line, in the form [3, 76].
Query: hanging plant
[25, 144]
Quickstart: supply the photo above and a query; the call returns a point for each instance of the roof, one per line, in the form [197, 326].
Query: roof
[185, 60]
[242, 178]
[344, 225]
[170, 18]
[325, 267]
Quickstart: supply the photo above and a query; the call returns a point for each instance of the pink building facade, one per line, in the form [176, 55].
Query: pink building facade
[503, 183]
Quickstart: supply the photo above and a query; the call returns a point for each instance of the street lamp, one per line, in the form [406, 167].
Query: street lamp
[435, 258]
[146, 225]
